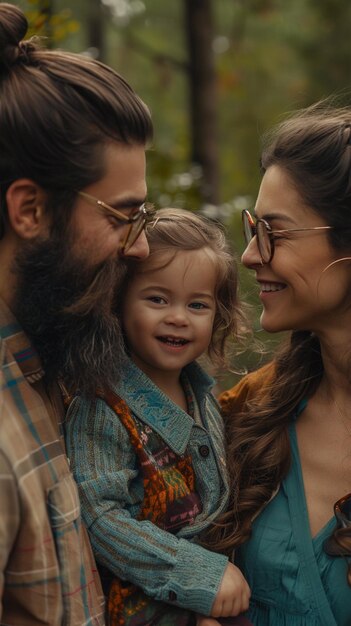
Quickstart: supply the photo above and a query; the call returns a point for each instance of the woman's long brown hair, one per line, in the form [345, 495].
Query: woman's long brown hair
[258, 449]
[313, 147]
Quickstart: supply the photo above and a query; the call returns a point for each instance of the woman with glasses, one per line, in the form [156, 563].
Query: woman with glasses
[289, 424]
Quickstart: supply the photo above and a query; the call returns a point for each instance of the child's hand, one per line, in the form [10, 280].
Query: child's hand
[233, 595]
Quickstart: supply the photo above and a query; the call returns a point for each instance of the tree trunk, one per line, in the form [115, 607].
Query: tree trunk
[202, 95]
[45, 8]
[96, 32]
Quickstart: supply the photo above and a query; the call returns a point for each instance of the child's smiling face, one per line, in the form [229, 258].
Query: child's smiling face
[169, 310]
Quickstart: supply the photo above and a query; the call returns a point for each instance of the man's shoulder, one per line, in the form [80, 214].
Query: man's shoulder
[8, 381]
[10, 372]
[26, 429]
[3, 352]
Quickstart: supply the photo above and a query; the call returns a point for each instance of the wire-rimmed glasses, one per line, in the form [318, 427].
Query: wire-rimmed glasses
[137, 221]
[265, 234]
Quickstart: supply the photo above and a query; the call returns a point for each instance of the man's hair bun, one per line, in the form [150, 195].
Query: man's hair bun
[13, 28]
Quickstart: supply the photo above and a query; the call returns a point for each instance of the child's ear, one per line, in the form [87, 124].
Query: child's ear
[26, 209]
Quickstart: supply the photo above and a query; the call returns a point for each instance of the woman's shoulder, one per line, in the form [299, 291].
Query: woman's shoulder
[251, 384]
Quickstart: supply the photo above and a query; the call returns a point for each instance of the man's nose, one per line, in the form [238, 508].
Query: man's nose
[139, 249]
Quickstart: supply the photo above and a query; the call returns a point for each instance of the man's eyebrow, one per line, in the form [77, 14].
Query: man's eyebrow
[126, 203]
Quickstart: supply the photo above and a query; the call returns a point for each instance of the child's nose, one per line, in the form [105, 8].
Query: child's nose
[177, 316]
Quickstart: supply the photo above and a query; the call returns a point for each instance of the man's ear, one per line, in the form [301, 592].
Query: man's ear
[26, 202]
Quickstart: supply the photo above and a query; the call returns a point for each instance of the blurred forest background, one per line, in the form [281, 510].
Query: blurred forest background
[216, 75]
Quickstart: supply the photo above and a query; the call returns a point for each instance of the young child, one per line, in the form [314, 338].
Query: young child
[148, 455]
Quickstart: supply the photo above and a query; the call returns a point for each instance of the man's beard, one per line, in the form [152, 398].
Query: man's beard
[66, 309]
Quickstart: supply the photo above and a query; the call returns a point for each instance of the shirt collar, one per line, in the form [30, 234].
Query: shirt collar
[148, 402]
[19, 345]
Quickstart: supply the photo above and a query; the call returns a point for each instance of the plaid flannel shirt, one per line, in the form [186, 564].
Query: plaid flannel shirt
[47, 571]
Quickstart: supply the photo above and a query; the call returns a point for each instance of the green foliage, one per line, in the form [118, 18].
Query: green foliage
[272, 56]
[56, 27]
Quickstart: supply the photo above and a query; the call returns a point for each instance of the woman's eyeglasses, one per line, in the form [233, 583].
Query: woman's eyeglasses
[137, 221]
[265, 235]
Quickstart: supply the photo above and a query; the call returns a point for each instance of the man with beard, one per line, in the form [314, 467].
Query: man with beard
[73, 136]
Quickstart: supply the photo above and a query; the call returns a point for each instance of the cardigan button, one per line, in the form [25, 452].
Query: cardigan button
[172, 596]
[204, 451]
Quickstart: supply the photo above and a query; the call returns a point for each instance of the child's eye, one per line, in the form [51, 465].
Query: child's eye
[198, 305]
[156, 299]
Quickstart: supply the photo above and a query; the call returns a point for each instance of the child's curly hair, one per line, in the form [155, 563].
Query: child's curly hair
[172, 230]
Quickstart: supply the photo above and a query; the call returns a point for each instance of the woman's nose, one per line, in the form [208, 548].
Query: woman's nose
[251, 255]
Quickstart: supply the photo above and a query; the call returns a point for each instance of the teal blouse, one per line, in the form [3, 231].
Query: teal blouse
[293, 581]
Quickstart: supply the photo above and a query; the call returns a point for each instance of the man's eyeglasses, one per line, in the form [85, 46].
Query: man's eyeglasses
[137, 221]
[265, 235]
